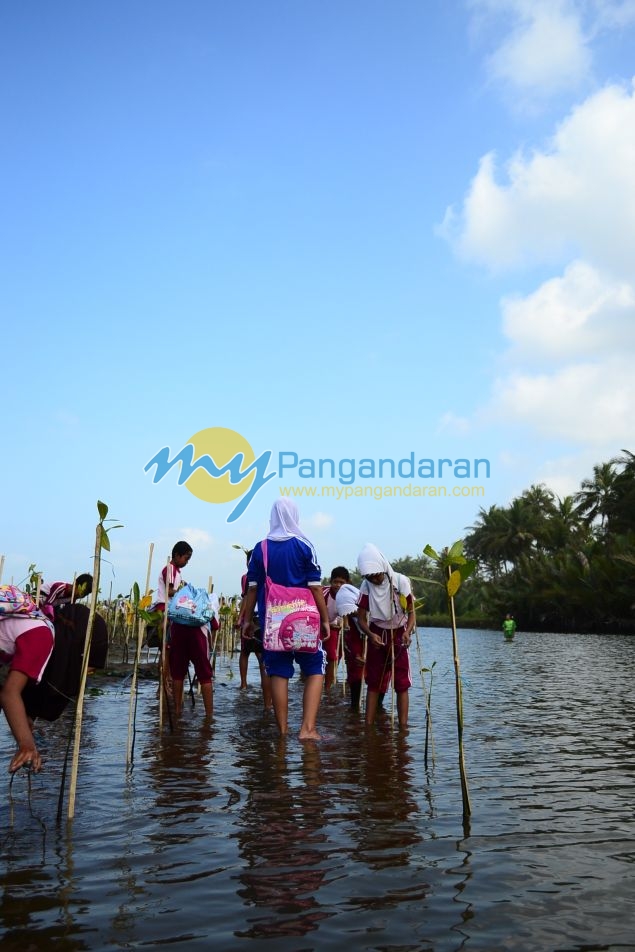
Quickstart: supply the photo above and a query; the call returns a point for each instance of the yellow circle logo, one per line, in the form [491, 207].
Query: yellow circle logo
[218, 449]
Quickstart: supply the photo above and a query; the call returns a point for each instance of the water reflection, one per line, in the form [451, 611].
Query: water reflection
[280, 840]
[223, 837]
[386, 825]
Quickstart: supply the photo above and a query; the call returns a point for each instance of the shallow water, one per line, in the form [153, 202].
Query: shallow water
[225, 837]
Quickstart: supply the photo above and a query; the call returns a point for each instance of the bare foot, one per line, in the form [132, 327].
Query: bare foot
[309, 735]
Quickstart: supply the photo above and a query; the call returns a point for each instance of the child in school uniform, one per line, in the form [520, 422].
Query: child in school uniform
[332, 645]
[386, 615]
[186, 642]
[291, 561]
[25, 647]
[346, 600]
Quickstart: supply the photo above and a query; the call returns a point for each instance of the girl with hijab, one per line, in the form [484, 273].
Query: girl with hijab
[386, 614]
[291, 561]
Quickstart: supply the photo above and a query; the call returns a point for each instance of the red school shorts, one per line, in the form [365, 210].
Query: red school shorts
[188, 643]
[332, 645]
[379, 662]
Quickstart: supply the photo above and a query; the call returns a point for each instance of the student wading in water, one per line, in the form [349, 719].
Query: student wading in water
[386, 615]
[291, 561]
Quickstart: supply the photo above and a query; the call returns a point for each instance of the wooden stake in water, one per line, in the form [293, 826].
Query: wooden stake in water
[141, 627]
[79, 709]
[340, 657]
[163, 698]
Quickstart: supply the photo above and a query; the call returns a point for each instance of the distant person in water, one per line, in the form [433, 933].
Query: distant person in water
[509, 626]
[288, 559]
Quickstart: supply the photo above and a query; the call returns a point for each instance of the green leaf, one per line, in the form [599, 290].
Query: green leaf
[456, 552]
[454, 583]
[467, 568]
[102, 508]
[104, 541]
[153, 618]
[136, 594]
[428, 581]
[429, 551]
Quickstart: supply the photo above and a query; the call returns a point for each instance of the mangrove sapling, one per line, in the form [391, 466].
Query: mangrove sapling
[101, 542]
[427, 694]
[455, 569]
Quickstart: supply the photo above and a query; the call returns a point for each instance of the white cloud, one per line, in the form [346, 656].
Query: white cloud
[198, 538]
[452, 423]
[581, 314]
[545, 51]
[575, 198]
[319, 520]
[587, 403]
[613, 14]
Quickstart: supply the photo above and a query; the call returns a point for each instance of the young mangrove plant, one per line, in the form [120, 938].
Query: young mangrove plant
[101, 542]
[455, 568]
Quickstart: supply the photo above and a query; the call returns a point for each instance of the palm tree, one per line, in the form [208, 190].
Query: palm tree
[594, 499]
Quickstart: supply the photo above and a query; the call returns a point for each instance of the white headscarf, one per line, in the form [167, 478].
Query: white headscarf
[346, 599]
[381, 603]
[283, 522]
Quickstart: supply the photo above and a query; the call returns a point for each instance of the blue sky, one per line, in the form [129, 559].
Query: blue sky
[347, 230]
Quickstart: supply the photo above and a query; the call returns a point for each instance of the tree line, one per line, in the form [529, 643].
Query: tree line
[556, 564]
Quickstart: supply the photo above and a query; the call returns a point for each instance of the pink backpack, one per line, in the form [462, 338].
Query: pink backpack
[13, 601]
[292, 621]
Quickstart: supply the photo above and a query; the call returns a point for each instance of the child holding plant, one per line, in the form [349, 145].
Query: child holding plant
[187, 642]
[386, 615]
[26, 644]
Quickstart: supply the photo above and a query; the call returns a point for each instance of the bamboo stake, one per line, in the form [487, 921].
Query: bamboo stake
[340, 657]
[362, 700]
[467, 809]
[164, 642]
[1, 567]
[392, 658]
[133, 684]
[79, 709]
[73, 587]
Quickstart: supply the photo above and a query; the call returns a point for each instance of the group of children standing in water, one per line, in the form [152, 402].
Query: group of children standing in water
[371, 626]
[377, 621]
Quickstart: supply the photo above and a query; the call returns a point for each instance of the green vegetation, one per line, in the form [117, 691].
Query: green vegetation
[555, 564]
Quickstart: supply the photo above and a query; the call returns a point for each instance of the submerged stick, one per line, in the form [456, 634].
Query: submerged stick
[341, 657]
[79, 709]
[465, 793]
[163, 695]
[141, 627]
